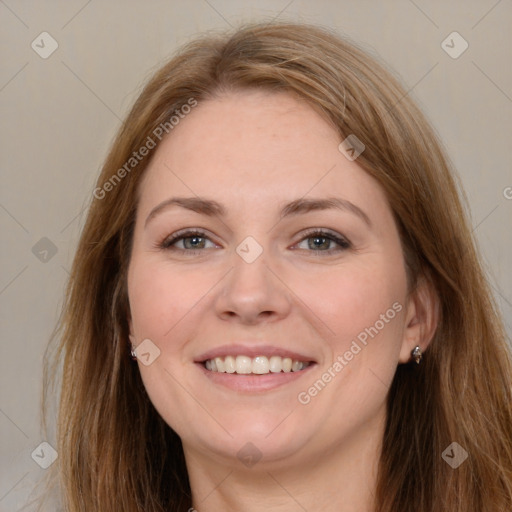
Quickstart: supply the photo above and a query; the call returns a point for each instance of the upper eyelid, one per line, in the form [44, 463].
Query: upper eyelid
[186, 233]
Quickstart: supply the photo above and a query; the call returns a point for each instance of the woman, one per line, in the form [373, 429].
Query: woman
[276, 302]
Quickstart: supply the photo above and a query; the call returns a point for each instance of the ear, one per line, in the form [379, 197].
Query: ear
[422, 316]
[130, 328]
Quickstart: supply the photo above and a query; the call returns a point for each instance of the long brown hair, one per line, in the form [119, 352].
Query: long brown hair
[117, 453]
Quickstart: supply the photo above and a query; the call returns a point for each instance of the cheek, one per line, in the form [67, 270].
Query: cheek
[162, 306]
[160, 297]
[364, 308]
[354, 302]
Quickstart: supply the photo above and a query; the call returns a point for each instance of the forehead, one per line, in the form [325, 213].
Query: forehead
[256, 146]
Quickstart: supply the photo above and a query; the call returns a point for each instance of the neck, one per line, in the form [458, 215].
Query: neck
[341, 478]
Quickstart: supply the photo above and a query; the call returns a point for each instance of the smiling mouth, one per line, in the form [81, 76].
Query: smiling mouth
[259, 365]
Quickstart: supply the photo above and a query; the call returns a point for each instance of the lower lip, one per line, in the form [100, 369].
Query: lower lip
[254, 383]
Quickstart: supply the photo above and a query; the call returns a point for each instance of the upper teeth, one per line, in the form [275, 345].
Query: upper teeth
[258, 365]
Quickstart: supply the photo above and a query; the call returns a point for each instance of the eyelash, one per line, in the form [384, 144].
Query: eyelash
[167, 243]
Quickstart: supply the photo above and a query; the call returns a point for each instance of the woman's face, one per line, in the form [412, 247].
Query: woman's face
[250, 283]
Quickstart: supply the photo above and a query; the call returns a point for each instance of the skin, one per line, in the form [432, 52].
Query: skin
[253, 152]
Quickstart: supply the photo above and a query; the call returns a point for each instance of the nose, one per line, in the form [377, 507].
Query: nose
[252, 292]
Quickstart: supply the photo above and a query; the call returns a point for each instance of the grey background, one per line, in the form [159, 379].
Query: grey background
[59, 116]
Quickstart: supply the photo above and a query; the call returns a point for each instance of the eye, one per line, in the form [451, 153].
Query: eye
[322, 239]
[192, 241]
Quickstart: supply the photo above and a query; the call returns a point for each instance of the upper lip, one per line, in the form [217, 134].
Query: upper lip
[252, 350]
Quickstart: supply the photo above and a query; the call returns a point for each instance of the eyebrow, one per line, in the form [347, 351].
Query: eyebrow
[212, 208]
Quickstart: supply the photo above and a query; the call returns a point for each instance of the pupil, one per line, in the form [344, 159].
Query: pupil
[317, 239]
[194, 240]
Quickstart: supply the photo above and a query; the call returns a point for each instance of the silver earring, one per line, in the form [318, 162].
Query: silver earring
[417, 355]
[132, 347]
